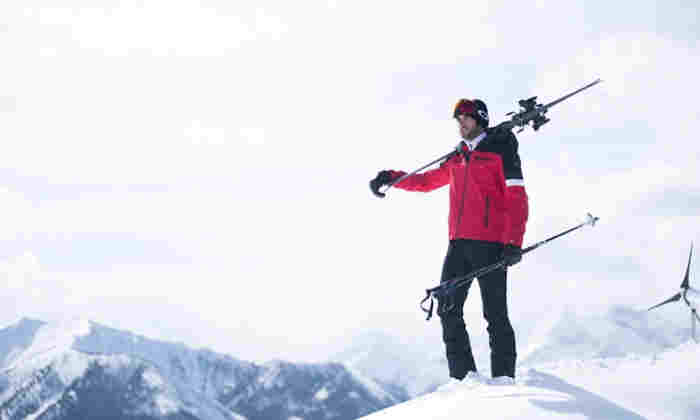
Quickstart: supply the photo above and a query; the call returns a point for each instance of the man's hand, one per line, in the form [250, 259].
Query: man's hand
[512, 254]
[382, 178]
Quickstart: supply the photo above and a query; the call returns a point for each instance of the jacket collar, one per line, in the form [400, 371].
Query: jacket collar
[474, 143]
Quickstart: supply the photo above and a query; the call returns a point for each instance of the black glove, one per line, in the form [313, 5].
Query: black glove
[512, 254]
[382, 178]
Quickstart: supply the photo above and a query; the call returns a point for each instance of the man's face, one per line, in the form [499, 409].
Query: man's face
[468, 127]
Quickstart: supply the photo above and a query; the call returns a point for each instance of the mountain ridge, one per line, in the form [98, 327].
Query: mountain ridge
[66, 364]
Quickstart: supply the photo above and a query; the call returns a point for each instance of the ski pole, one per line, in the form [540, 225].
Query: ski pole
[447, 288]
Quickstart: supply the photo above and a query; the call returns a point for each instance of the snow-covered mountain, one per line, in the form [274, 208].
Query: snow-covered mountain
[419, 365]
[79, 369]
[415, 366]
[618, 332]
[623, 363]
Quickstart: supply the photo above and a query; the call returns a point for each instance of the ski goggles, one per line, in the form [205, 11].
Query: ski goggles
[464, 107]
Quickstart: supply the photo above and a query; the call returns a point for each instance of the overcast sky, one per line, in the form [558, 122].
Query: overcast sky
[198, 171]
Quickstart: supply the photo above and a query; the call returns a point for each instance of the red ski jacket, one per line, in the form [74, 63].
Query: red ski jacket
[488, 201]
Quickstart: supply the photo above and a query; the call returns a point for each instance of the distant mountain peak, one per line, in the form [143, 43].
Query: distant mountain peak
[48, 340]
[75, 368]
[23, 323]
[617, 332]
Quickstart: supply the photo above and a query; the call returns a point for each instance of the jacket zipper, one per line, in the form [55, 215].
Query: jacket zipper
[464, 191]
[486, 215]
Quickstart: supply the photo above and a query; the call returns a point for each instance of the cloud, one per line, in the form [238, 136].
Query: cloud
[658, 171]
[8, 104]
[18, 271]
[17, 210]
[242, 136]
[643, 81]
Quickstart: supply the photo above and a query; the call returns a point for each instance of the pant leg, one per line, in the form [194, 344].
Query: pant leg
[495, 306]
[460, 359]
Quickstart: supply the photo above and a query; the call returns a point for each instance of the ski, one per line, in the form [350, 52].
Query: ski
[533, 112]
[530, 111]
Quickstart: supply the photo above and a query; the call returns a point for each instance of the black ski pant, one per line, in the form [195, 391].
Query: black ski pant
[463, 256]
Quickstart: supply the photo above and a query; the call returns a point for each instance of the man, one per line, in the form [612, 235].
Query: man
[488, 212]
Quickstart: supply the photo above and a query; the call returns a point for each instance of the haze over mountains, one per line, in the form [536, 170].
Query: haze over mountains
[78, 368]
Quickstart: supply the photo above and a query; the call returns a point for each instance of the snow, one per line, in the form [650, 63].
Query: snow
[166, 405]
[152, 379]
[416, 363]
[35, 415]
[663, 386]
[615, 333]
[175, 374]
[419, 364]
[272, 378]
[70, 365]
[479, 399]
[11, 356]
[537, 397]
[370, 385]
[50, 341]
[622, 364]
[321, 394]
